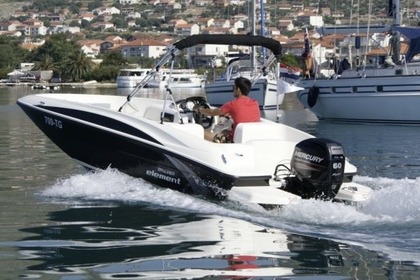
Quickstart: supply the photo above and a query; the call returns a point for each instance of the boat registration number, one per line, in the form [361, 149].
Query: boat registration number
[53, 122]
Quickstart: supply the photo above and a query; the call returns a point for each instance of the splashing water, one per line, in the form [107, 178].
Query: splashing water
[392, 212]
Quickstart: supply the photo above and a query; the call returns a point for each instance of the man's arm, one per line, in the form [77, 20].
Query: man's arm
[209, 111]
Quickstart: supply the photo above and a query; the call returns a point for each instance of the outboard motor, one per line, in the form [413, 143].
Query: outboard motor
[318, 166]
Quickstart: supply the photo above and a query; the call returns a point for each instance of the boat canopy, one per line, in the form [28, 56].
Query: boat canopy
[413, 34]
[213, 39]
[229, 39]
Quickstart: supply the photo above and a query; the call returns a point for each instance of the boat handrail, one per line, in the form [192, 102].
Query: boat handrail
[171, 53]
[168, 93]
[219, 39]
[264, 69]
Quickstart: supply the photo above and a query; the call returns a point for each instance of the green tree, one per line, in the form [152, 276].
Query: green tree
[11, 54]
[74, 23]
[104, 73]
[113, 59]
[291, 60]
[77, 66]
[94, 4]
[75, 8]
[7, 59]
[46, 63]
[107, 71]
[57, 47]
[85, 24]
[119, 21]
[48, 5]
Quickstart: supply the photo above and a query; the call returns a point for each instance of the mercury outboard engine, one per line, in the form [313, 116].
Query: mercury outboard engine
[318, 166]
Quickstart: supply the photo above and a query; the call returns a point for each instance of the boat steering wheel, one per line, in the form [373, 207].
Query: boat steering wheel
[187, 106]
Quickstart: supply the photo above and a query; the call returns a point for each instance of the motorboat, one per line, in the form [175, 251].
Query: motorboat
[385, 91]
[162, 141]
[179, 78]
[130, 77]
[182, 78]
[46, 87]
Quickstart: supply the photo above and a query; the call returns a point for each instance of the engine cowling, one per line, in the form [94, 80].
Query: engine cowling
[318, 166]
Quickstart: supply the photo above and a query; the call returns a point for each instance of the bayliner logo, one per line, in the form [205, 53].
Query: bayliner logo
[164, 177]
[309, 157]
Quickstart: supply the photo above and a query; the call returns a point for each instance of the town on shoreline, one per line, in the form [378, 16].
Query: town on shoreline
[138, 30]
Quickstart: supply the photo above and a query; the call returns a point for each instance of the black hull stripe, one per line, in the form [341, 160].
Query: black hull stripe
[135, 156]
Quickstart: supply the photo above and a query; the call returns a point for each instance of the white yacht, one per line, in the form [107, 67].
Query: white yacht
[180, 78]
[130, 77]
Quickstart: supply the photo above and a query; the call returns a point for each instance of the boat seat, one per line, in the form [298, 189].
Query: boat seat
[153, 112]
[246, 132]
[190, 128]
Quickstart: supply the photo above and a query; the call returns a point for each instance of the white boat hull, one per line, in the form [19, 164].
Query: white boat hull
[130, 77]
[180, 78]
[389, 99]
[264, 91]
[92, 130]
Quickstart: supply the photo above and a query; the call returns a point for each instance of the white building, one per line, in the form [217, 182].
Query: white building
[206, 55]
[316, 21]
[239, 25]
[187, 29]
[107, 11]
[129, 2]
[90, 52]
[143, 48]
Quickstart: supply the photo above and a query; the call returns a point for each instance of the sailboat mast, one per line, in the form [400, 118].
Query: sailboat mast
[253, 33]
[262, 28]
[394, 10]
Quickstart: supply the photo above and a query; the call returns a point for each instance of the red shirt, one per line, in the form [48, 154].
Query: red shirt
[242, 109]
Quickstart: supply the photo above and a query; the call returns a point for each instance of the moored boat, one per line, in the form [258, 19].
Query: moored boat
[180, 78]
[130, 77]
[264, 86]
[387, 91]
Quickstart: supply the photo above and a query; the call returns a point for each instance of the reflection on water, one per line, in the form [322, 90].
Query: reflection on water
[143, 242]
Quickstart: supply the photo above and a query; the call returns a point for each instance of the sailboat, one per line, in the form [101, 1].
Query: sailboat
[387, 91]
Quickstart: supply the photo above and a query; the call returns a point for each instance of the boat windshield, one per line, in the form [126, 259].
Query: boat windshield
[132, 72]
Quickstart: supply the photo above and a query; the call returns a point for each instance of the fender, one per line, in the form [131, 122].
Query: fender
[313, 96]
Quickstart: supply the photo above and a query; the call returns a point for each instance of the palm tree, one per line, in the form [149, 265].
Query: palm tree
[77, 65]
[46, 63]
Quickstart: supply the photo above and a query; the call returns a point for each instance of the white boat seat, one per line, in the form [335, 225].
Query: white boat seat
[191, 128]
[246, 132]
[153, 112]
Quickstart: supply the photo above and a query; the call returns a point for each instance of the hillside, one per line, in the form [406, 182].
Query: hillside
[7, 8]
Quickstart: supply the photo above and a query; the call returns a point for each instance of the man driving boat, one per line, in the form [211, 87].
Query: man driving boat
[241, 109]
